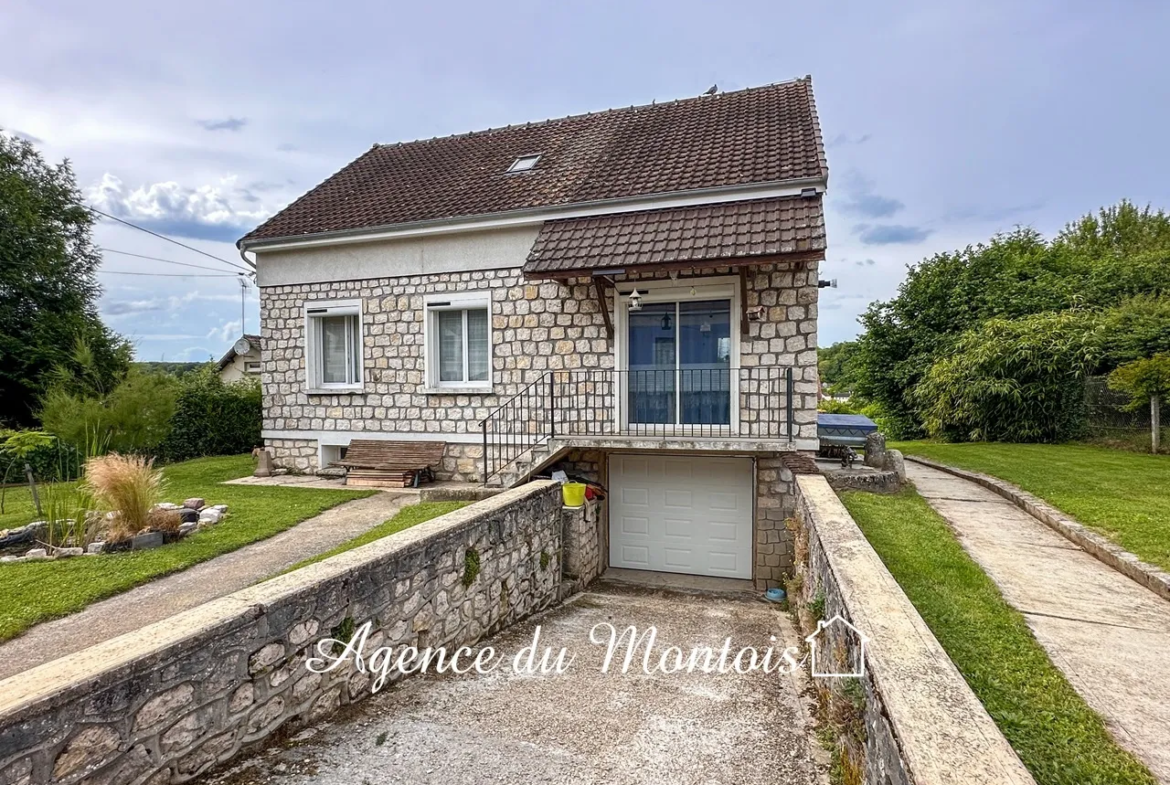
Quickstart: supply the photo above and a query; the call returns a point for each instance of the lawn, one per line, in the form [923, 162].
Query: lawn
[1124, 496]
[39, 591]
[406, 517]
[1058, 737]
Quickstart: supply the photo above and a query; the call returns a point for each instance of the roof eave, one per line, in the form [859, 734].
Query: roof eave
[792, 257]
[536, 214]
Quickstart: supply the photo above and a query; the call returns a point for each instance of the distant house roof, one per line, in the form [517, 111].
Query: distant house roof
[231, 353]
[751, 137]
[729, 233]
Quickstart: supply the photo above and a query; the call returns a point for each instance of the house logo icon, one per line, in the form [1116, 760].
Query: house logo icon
[821, 651]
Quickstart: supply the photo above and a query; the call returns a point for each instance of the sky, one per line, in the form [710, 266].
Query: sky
[944, 122]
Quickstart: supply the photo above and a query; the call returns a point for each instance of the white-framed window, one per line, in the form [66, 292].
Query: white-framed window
[459, 341]
[524, 163]
[333, 340]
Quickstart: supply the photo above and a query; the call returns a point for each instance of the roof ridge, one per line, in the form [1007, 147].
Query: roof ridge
[610, 110]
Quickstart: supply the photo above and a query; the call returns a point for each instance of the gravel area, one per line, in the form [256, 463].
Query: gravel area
[582, 726]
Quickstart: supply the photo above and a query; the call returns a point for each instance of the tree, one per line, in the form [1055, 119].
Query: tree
[48, 285]
[1117, 259]
[836, 366]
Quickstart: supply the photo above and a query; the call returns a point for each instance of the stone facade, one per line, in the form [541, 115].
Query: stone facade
[537, 326]
[174, 699]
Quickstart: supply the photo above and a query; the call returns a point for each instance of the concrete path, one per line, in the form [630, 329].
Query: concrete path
[208, 580]
[1109, 635]
[582, 726]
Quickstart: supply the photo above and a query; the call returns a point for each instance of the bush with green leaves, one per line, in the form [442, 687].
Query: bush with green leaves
[50, 459]
[132, 416]
[1143, 380]
[213, 418]
[1116, 262]
[1012, 380]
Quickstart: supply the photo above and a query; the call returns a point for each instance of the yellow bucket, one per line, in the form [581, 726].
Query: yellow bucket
[574, 493]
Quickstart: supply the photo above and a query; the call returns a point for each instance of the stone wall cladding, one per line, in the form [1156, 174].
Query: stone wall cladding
[581, 539]
[176, 698]
[920, 721]
[775, 505]
[537, 326]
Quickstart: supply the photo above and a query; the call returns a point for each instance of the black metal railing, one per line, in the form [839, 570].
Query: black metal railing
[700, 402]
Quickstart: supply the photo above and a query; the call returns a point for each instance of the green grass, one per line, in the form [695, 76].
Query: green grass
[1058, 737]
[1124, 496]
[406, 517]
[34, 592]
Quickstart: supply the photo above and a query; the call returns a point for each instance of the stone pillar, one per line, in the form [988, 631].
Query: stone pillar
[875, 450]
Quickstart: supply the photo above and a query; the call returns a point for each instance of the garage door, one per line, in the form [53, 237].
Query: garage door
[673, 513]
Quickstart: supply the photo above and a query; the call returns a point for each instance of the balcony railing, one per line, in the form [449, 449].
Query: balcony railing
[702, 402]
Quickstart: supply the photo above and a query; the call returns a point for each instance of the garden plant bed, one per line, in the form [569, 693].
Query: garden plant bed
[192, 515]
[1059, 738]
[38, 591]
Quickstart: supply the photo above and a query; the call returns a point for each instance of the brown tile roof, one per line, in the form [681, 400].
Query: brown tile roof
[759, 135]
[727, 232]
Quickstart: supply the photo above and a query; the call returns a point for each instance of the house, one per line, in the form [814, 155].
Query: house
[242, 360]
[629, 294]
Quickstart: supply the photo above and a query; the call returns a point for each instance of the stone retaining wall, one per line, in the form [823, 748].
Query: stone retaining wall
[582, 539]
[915, 721]
[173, 699]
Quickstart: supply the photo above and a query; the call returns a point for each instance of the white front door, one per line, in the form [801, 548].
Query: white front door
[681, 513]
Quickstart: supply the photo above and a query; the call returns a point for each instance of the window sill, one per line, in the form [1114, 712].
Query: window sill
[463, 389]
[342, 390]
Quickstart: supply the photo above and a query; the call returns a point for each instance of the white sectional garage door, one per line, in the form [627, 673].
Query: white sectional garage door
[676, 513]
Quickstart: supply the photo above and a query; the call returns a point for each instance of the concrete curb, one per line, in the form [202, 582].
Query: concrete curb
[1128, 564]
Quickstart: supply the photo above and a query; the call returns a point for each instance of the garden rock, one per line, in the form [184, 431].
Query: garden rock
[194, 503]
[187, 528]
[166, 506]
[221, 508]
[210, 515]
[37, 553]
[145, 541]
[65, 552]
[95, 547]
[187, 515]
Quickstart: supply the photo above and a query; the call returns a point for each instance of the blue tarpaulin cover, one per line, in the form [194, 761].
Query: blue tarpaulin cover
[856, 421]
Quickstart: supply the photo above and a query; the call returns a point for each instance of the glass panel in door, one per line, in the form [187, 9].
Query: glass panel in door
[704, 340]
[653, 362]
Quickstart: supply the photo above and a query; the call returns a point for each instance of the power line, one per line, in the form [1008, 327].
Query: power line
[164, 237]
[165, 261]
[174, 275]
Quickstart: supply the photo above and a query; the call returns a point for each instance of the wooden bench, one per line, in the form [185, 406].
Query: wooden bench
[387, 464]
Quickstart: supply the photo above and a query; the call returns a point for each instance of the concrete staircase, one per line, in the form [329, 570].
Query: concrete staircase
[529, 463]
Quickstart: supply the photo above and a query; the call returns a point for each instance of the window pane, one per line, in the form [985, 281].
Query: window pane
[477, 346]
[334, 360]
[450, 346]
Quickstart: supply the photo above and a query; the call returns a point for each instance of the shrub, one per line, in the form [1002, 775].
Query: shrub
[1012, 380]
[128, 485]
[135, 417]
[213, 418]
[1142, 380]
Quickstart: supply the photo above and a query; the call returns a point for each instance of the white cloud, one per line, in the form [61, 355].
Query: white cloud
[209, 212]
[227, 331]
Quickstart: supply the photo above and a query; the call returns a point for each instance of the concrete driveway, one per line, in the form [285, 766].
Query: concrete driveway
[582, 726]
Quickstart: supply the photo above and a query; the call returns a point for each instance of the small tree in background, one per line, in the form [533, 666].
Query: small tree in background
[1145, 381]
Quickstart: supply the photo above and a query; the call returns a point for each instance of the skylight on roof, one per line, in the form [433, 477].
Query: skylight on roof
[524, 163]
